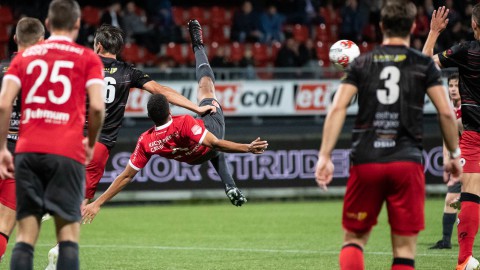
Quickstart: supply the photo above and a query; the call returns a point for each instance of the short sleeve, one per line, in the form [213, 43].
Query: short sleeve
[139, 157]
[434, 76]
[13, 71]
[454, 56]
[139, 78]
[351, 75]
[94, 69]
[193, 130]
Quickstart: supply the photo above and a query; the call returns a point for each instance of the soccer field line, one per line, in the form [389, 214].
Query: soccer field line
[298, 251]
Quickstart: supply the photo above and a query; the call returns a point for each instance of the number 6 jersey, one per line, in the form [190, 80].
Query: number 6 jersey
[392, 82]
[53, 76]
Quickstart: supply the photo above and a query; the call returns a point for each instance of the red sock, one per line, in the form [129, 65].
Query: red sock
[3, 244]
[351, 257]
[467, 228]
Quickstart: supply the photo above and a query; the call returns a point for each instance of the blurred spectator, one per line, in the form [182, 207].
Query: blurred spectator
[137, 29]
[288, 56]
[246, 25]
[219, 61]
[112, 15]
[160, 12]
[248, 65]
[467, 22]
[417, 44]
[453, 14]
[422, 23]
[272, 23]
[307, 54]
[429, 8]
[353, 21]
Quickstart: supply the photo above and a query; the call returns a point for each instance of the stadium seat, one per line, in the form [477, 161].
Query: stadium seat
[4, 36]
[131, 53]
[366, 47]
[260, 54]
[91, 15]
[218, 16]
[6, 15]
[197, 13]
[175, 51]
[217, 33]
[322, 34]
[300, 33]
[237, 51]
[276, 46]
[322, 53]
[178, 15]
[212, 49]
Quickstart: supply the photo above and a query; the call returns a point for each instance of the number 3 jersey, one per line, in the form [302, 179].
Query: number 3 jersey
[119, 78]
[53, 76]
[392, 82]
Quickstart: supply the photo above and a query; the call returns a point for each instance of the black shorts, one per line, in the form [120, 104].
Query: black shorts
[49, 183]
[11, 146]
[455, 188]
[215, 123]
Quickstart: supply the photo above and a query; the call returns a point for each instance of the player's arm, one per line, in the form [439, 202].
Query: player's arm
[437, 25]
[10, 90]
[255, 147]
[331, 130]
[92, 209]
[96, 115]
[177, 99]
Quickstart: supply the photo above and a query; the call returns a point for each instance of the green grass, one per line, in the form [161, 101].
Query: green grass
[273, 235]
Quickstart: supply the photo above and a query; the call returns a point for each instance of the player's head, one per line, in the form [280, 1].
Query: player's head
[453, 86]
[108, 39]
[28, 32]
[64, 15]
[476, 21]
[397, 19]
[158, 109]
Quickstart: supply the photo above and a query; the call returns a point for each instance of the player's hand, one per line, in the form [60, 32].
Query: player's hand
[89, 212]
[88, 151]
[236, 196]
[257, 146]
[454, 168]
[439, 19]
[324, 172]
[207, 109]
[6, 164]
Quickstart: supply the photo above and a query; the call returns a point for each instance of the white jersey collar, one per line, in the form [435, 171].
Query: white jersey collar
[164, 125]
[63, 38]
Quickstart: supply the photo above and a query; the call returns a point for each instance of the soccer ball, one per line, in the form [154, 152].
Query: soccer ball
[343, 52]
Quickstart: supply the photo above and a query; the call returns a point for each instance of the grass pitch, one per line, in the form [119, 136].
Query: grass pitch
[259, 235]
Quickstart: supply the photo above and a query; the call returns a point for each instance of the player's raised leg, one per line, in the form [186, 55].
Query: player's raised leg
[7, 212]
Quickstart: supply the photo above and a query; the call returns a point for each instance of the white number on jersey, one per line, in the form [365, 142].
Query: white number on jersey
[391, 75]
[109, 90]
[55, 77]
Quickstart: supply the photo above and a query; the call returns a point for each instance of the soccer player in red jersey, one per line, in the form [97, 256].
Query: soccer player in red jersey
[183, 137]
[56, 76]
[466, 57]
[453, 187]
[29, 31]
[391, 82]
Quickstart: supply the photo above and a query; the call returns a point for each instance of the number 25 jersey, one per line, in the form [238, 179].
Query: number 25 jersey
[392, 82]
[53, 76]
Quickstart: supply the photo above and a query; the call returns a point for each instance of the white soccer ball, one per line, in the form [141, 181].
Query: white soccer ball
[343, 52]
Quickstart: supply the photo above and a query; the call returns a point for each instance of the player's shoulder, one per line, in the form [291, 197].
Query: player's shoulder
[145, 135]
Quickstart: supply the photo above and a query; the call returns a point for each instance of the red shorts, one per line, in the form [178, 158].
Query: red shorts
[95, 169]
[7, 193]
[470, 146]
[400, 184]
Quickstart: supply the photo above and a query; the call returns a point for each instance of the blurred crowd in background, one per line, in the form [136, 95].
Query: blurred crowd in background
[244, 34]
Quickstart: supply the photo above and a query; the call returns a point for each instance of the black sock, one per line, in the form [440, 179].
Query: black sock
[404, 261]
[448, 222]
[201, 63]
[68, 256]
[22, 257]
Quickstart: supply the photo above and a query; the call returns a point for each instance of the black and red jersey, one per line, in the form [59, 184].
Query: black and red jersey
[119, 78]
[466, 57]
[392, 83]
[15, 116]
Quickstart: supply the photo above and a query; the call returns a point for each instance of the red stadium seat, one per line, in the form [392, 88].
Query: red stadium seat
[260, 54]
[218, 16]
[4, 36]
[6, 15]
[197, 13]
[322, 53]
[276, 46]
[212, 49]
[91, 15]
[131, 53]
[175, 51]
[322, 33]
[300, 33]
[178, 15]
[366, 47]
[237, 51]
[217, 34]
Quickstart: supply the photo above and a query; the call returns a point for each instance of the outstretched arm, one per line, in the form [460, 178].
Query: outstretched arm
[91, 210]
[255, 147]
[175, 98]
[437, 25]
[10, 89]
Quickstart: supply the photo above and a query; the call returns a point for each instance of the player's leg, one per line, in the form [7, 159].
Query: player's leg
[68, 235]
[27, 235]
[405, 198]
[203, 71]
[362, 203]
[448, 219]
[7, 212]
[95, 170]
[233, 193]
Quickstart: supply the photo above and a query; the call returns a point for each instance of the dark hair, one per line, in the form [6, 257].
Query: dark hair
[453, 76]
[62, 14]
[476, 13]
[158, 109]
[29, 31]
[110, 37]
[397, 18]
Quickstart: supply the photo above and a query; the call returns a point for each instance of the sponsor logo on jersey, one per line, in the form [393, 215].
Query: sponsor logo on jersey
[51, 117]
[196, 130]
[360, 216]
